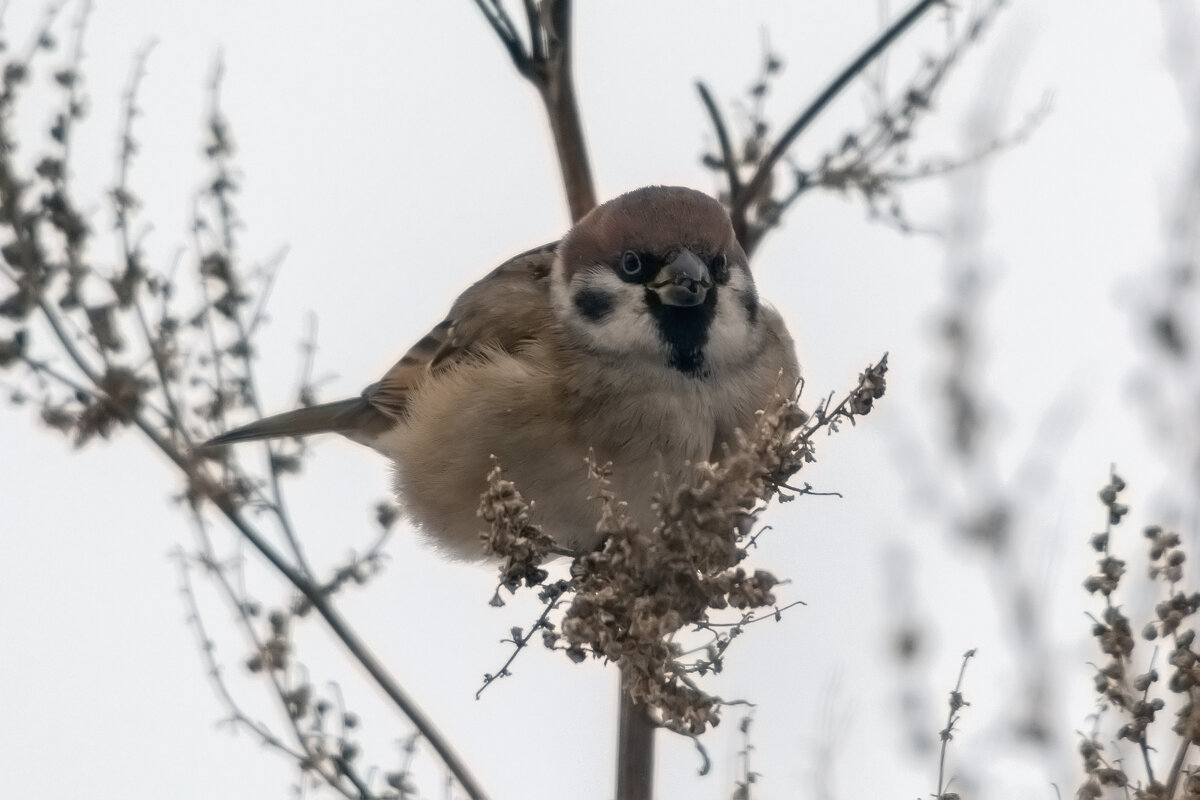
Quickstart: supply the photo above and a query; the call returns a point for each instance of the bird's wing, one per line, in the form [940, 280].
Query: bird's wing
[507, 308]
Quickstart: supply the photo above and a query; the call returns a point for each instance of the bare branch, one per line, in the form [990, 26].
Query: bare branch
[493, 11]
[754, 187]
[548, 68]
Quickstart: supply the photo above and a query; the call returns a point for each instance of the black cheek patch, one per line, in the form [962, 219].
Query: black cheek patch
[593, 304]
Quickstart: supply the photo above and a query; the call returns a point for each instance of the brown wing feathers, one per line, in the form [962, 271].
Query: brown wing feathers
[390, 393]
[504, 309]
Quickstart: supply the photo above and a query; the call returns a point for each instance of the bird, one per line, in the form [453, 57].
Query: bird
[638, 340]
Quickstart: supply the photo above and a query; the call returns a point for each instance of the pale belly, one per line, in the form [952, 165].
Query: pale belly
[443, 455]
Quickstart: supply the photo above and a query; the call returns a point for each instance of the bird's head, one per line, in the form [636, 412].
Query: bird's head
[658, 275]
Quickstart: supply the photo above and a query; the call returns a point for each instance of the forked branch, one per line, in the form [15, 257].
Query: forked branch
[546, 63]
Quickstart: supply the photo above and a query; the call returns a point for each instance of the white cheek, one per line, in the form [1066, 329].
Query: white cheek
[731, 337]
[627, 329]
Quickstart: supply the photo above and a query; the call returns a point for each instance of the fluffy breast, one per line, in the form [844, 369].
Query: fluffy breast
[539, 411]
[540, 429]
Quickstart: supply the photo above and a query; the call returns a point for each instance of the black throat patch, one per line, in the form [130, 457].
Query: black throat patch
[685, 330]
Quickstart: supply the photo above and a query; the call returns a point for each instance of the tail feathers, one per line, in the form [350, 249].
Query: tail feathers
[355, 418]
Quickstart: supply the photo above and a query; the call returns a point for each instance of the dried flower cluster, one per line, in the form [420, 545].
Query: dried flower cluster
[521, 545]
[1121, 687]
[631, 598]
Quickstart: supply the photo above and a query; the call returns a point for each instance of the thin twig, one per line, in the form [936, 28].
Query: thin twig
[740, 205]
[502, 24]
[355, 645]
[213, 669]
[226, 218]
[519, 645]
[947, 733]
[236, 597]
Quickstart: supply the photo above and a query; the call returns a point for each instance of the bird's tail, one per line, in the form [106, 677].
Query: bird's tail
[355, 418]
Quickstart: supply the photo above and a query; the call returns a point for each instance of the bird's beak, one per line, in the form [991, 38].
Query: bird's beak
[683, 281]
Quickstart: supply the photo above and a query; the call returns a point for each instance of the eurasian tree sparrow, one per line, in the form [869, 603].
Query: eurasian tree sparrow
[638, 335]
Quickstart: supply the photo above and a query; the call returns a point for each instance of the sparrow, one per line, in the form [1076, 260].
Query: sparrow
[638, 338]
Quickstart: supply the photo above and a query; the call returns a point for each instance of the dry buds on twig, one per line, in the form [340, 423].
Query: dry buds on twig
[956, 704]
[1128, 691]
[630, 599]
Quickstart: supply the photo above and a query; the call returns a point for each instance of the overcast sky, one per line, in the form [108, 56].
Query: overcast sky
[395, 154]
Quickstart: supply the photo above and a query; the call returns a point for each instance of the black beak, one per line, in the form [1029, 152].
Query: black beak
[684, 281]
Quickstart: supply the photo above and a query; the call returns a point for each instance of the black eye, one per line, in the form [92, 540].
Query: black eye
[631, 264]
[720, 268]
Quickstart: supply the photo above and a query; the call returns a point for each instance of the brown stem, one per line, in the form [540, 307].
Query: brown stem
[635, 749]
[547, 65]
[556, 85]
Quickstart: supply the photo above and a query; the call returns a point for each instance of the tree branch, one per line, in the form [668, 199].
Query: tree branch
[547, 65]
[739, 205]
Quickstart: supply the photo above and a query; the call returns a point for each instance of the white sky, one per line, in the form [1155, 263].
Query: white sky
[391, 148]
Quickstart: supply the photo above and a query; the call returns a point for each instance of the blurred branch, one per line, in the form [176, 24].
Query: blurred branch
[271, 659]
[116, 368]
[217, 258]
[1166, 311]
